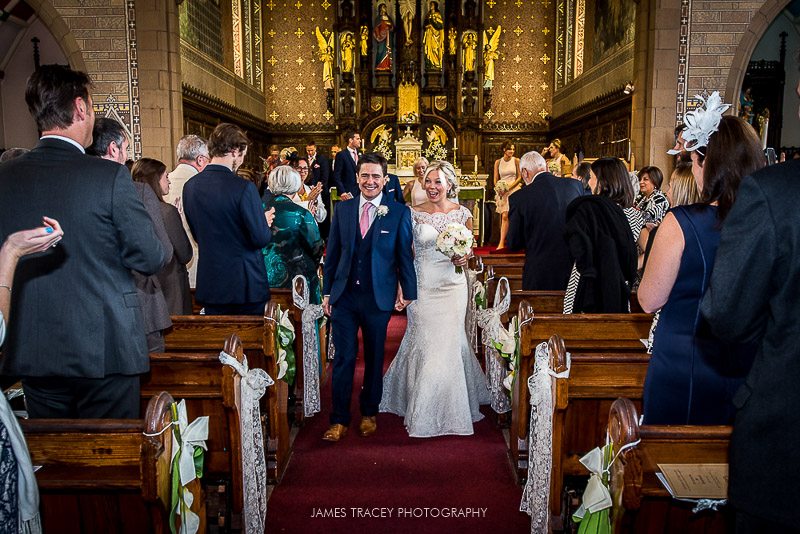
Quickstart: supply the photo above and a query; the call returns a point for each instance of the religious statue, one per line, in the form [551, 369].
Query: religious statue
[490, 54]
[408, 9]
[326, 55]
[470, 44]
[383, 39]
[452, 37]
[437, 139]
[433, 40]
[384, 135]
[364, 40]
[746, 105]
[348, 45]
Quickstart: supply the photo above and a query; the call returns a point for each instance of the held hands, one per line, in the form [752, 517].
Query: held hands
[270, 216]
[326, 305]
[400, 303]
[34, 240]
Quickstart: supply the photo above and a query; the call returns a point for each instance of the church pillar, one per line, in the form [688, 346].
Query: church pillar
[159, 85]
[653, 120]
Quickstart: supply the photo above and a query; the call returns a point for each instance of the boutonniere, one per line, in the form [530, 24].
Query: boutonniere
[382, 210]
[316, 165]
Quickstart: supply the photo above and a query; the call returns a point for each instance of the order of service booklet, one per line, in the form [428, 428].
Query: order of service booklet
[695, 481]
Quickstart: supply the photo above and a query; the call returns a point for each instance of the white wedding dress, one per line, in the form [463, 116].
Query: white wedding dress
[435, 381]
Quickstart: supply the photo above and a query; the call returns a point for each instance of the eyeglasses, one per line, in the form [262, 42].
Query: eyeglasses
[302, 169]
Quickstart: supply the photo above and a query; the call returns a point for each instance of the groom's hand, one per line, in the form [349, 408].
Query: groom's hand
[326, 305]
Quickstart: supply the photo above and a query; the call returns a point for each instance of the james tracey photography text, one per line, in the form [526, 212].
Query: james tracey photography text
[398, 513]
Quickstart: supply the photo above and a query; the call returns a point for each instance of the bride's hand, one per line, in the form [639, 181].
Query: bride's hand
[461, 261]
[399, 302]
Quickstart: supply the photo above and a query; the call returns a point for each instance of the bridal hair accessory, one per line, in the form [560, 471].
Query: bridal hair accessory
[382, 210]
[703, 121]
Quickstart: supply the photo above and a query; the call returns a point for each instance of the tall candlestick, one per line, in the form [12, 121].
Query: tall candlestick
[455, 143]
[476, 163]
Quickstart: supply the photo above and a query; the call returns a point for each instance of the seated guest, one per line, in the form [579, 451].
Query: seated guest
[414, 192]
[19, 500]
[692, 376]
[537, 215]
[601, 233]
[296, 246]
[227, 220]
[174, 277]
[307, 196]
[650, 200]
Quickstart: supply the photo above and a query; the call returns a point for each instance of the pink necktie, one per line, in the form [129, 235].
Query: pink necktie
[365, 212]
[355, 156]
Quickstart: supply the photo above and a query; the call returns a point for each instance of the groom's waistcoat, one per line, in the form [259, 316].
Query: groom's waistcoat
[360, 278]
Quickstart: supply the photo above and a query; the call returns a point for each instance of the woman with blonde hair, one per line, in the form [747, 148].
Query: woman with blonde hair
[414, 191]
[507, 180]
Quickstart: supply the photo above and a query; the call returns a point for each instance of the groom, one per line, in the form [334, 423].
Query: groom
[369, 251]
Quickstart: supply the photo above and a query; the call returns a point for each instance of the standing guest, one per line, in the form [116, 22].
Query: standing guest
[558, 164]
[87, 361]
[111, 143]
[368, 260]
[335, 149]
[274, 158]
[582, 173]
[173, 278]
[650, 200]
[19, 500]
[296, 246]
[507, 180]
[344, 169]
[230, 227]
[601, 232]
[693, 375]
[319, 173]
[414, 192]
[192, 154]
[537, 221]
[306, 196]
[752, 296]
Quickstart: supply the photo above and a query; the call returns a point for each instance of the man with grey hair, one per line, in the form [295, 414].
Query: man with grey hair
[192, 154]
[537, 216]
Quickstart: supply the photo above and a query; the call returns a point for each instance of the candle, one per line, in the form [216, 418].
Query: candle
[455, 143]
[764, 130]
[476, 164]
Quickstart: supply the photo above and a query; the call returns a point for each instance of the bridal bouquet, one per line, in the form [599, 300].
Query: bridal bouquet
[455, 240]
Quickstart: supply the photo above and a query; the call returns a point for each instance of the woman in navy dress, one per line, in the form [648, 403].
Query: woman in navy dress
[693, 376]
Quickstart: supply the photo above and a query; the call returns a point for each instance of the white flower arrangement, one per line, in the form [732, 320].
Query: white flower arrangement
[436, 151]
[480, 296]
[703, 121]
[382, 210]
[455, 240]
[507, 345]
[501, 188]
[384, 149]
[285, 335]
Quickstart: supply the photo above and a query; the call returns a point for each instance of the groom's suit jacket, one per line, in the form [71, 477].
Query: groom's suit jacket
[392, 257]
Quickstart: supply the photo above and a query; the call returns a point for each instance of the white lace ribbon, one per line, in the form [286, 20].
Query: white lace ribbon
[311, 347]
[191, 436]
[489, 322]
[536, 495]
[253, 384]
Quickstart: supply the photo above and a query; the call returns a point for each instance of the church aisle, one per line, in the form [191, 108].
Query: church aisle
[392, 483]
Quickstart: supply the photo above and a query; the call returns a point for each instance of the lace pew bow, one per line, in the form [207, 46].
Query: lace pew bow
[253, 385]
[311, 347]
[489, 322]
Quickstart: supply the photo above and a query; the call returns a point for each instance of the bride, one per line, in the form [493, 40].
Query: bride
[435, 381]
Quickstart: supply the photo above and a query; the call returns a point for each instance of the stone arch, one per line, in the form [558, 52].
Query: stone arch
[51, 18]
[758, 26]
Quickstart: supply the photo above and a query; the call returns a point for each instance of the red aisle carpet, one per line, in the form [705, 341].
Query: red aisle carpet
[346, 486]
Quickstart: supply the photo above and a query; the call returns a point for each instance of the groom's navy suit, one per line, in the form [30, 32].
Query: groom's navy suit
[361, 278]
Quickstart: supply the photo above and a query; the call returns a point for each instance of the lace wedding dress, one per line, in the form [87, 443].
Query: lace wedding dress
[435, 381]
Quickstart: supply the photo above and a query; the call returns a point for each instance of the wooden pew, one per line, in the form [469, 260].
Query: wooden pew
[204, 335]
[105, 475]
[642, 504]
[608, 360]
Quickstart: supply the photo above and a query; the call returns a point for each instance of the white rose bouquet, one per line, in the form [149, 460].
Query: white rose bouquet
[501, 188]
[455, 240]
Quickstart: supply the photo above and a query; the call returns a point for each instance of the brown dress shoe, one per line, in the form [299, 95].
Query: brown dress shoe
[335, 433]
[368, 426]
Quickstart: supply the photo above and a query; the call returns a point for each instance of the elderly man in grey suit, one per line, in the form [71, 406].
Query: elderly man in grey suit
[77, 340]
[110, 141]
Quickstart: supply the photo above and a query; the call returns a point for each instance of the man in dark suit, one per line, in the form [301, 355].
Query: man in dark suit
[537, 216]
[320, 171]
[344, 169]
[111, 142]
[369, 251]
[753, 296]
[227, 221]
[77, 340]
[393, 189]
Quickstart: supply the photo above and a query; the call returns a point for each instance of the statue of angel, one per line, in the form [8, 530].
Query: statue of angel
[384, 134]
[326, 55]
[490, 54]
[437, 139]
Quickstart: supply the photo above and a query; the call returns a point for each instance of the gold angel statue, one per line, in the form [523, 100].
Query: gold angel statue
[384, 132]
[326, 55]
[348, 45]
[436, 132]
[490, 54]
[470, 44]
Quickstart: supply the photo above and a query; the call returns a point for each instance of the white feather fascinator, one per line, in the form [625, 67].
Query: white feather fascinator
[703, 121]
